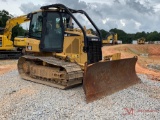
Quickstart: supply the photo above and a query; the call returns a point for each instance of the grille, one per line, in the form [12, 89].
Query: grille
[94, 51]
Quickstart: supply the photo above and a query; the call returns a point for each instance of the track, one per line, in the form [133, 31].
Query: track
[50, 71]
[10, 54]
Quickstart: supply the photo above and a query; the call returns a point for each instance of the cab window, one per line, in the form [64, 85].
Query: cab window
[36, 25]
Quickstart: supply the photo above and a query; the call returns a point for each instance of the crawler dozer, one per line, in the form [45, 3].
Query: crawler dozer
[141, 41]
[62, 56]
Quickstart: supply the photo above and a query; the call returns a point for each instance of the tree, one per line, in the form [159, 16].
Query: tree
[103, 33]
[140, 34]
[153, 36]
[4, 16]
[17, 31]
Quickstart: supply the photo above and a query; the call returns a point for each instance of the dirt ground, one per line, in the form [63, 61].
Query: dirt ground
[7, 65]
[147, 54]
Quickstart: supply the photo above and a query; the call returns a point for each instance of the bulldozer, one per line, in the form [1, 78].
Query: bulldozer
[63, 56]
[141, 41]
[8, 48]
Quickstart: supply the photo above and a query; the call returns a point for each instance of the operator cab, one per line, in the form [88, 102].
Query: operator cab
[49, 24]
[48, 28]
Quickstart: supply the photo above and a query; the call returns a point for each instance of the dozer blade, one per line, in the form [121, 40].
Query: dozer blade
[105, 78]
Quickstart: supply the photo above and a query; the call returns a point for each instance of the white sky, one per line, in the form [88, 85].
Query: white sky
[129, 15]
[12, 6]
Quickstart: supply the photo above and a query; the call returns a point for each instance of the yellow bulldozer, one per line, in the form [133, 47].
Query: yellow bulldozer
[62, 56]
[9, 48]
[141, 41]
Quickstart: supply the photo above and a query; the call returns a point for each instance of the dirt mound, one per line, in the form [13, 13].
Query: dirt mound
[150, 49]
[154, 50]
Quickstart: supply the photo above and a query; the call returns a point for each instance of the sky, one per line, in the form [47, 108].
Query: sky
[129, 15]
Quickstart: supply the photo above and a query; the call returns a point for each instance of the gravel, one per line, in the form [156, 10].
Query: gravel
[24, 100]
[154, 66]
[8, 62]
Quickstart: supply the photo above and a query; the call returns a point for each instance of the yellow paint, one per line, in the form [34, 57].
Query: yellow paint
[6, 44]
[19, 42]
[141, 40]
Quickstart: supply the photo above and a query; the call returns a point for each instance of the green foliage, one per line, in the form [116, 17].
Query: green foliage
[4, 16]
[153, 36]
[16, 31]
[140, 34]
[129, 38]
[103, 33]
